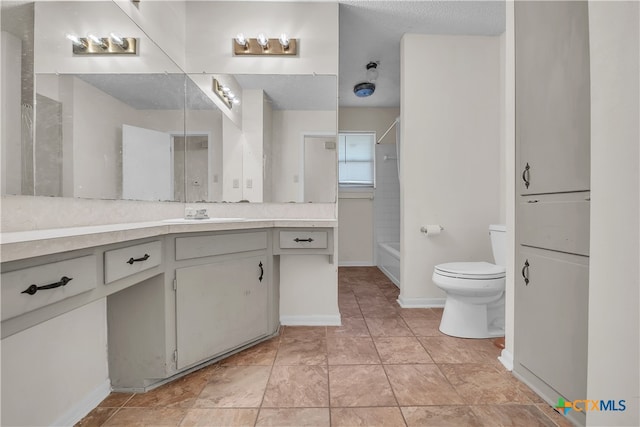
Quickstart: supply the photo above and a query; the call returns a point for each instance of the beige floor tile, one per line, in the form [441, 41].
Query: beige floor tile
[294, 417]
[441, 416]
[388, 327]
[180, 393]
[399, 350]
[352, 351]
[367, 417]
[360, 385]
[418, 313]
[235, 387]
[295, 351]
[297, 387]
[304, 332]
[97, 417]
[351, 327]
[383, 311]
[347, 311]
[115, 400]
[424, 327]
[444, 349]
[417, 385]
[146, 417]
[219, 417]
[559, 419]
[262, 354]
[480, 384]
[512, 415]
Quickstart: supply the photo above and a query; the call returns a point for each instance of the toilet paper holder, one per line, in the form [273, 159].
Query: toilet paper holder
[431, 229]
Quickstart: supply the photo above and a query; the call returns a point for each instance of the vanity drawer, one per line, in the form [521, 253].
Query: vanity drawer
[124, 262]
[303, 239]
[82, 272]
[219, 244]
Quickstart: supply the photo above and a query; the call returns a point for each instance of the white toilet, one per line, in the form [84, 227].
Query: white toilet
[475, 293]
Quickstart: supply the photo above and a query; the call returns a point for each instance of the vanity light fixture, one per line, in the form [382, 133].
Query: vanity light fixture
[112, 45]
[224, 93]
[263, 45]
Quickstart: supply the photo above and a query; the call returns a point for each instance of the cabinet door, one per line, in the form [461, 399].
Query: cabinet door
[552, 96]
[219, 306]
[551, 319]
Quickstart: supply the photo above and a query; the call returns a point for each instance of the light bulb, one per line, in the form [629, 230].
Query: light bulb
[241, 40]
[284, 40]
[116, 39]
[96, 40]
[235, 101]
[372, 72]
[263, 40]
[231, 95]
[225, 90]
[75, 40]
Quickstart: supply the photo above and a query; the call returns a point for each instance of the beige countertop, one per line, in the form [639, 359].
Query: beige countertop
[27, 244]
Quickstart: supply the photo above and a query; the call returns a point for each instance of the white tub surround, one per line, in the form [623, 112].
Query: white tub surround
[389, 261]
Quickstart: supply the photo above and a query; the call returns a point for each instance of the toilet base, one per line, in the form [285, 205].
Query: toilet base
[464, 319]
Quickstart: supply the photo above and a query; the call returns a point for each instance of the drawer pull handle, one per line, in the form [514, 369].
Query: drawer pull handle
[132, 260]
[298, 240]
[261, 271]
[525, 272]
[533, 201]
[526, 176]
[31, 290]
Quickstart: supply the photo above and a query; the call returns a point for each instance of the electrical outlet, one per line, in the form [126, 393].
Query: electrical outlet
[236, 183]
[296, 179]
[249, 183]
[215, 179]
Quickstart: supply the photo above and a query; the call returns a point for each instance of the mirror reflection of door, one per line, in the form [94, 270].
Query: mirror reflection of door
[146, 159]
[48, 148]
[190, 166]
[320, 169]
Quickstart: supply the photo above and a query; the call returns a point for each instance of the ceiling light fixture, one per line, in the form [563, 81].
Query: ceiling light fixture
[263, 45]
[364, 89]
[94, 45]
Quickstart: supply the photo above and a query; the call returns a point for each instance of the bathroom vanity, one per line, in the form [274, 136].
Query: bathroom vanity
[179, 295]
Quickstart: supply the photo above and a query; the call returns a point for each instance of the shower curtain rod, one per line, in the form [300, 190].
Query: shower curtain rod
[395, 122]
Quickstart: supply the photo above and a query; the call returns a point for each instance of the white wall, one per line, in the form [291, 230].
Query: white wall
[232, 149]
[289, 128]
[253, 118]
[450, 126]
[213, 25]
[60, 366]
[613, 370]
[386, 199]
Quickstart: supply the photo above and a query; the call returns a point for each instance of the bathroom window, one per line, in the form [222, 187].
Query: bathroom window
[356, 159]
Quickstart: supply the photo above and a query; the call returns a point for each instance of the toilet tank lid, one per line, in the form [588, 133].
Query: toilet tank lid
[498, 227]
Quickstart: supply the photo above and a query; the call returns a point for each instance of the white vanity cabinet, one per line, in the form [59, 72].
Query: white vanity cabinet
[220, 306]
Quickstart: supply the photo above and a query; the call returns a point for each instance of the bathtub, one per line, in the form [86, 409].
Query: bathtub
[389, 260]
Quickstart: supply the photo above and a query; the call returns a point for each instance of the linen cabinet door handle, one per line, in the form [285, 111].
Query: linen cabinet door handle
[31, 290]
[525, 272]
[132, 260]
[526, 175]
[261, 271]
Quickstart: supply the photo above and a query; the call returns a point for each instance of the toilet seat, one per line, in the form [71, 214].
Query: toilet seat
[471, 270]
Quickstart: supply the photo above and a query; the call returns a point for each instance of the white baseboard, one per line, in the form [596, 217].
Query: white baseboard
[355, 264]
[420, 302]
[506, 358]
[318, 320]
[86, 405]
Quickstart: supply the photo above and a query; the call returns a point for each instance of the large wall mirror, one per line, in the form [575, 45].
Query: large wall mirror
[137, 127]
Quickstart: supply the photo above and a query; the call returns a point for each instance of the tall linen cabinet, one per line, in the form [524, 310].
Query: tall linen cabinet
[553, 182]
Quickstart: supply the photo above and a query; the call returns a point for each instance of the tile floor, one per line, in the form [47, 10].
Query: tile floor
[385, 366]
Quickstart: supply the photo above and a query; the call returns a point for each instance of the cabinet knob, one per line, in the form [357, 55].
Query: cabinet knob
[525, 272]
[526, 177]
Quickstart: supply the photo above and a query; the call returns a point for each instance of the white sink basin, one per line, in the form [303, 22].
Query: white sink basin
[200, 221]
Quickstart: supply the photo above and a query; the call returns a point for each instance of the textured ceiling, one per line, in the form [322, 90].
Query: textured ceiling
[294, 92]
[371, 31]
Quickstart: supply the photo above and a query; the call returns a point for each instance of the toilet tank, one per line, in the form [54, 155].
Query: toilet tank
[498, 234]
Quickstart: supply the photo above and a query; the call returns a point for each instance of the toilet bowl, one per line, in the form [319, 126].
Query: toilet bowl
[474, 307]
